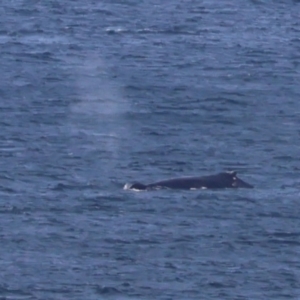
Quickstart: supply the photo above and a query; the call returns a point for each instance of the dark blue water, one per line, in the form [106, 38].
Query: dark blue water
[98, 94]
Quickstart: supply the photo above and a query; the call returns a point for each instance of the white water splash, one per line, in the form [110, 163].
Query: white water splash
[98, 92]
[98, 112]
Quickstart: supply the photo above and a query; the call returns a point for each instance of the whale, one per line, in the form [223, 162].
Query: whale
[222, 180]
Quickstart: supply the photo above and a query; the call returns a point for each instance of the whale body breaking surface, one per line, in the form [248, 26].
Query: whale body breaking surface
[222, 180]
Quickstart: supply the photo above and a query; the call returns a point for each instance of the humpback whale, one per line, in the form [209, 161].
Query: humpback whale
[222, 180]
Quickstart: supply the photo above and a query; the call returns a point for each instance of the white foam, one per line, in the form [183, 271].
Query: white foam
[202, 188]
[127, 186]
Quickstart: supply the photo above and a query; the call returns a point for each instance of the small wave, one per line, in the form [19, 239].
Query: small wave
[115, 30]
[172, 30]
[107, 290]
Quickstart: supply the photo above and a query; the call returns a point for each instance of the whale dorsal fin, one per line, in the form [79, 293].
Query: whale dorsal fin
[233, 173]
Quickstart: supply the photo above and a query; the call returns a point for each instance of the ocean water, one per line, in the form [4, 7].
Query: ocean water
[96, 94]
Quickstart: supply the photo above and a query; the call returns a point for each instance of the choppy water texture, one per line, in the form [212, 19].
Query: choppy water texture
[95, 94]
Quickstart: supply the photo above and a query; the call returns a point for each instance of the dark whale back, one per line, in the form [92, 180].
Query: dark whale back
[137, 186]
[217, 181]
